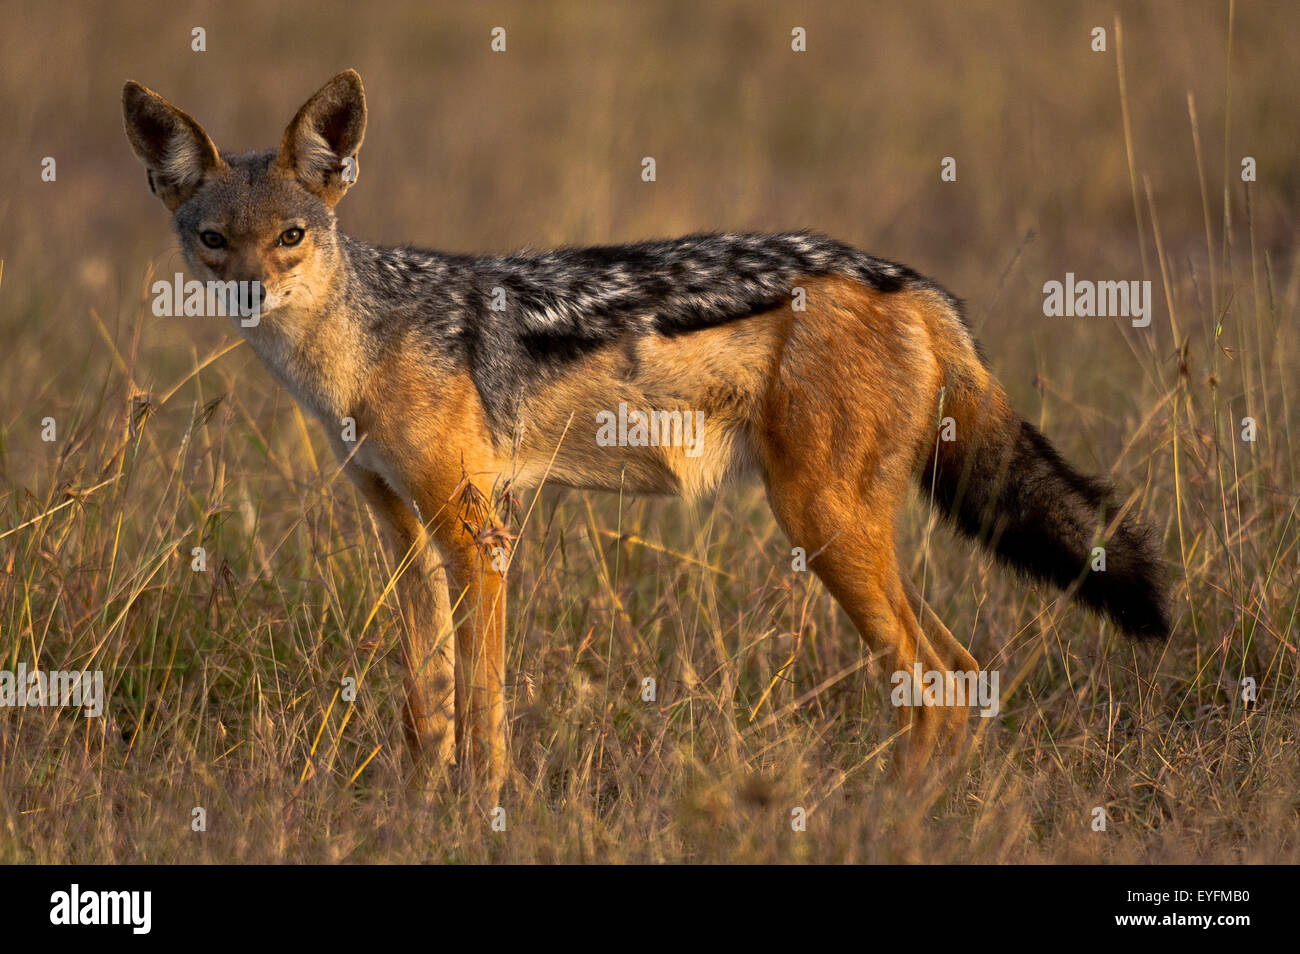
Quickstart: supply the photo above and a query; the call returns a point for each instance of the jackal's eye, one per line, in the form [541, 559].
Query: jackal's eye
[212, 239]
[291, 236]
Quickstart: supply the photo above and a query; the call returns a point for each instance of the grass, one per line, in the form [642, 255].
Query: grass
[225, 683]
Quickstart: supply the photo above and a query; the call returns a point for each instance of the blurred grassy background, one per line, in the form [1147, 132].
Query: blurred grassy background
[222, 681]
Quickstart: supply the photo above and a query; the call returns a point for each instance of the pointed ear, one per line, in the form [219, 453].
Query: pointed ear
[319, 148]
[174, 148]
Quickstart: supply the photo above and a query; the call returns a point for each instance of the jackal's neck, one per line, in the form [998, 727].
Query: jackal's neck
[318, 345]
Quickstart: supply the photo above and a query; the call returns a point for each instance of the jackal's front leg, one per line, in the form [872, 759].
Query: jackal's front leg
[427, 638]
[476, 558]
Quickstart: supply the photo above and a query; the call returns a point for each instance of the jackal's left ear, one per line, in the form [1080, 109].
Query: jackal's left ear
[320, 146]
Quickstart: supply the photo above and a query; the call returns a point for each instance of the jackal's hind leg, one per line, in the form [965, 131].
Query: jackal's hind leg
[853, 555]
[955, 657]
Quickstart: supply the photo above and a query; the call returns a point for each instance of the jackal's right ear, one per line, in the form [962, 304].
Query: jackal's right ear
[319, 148]
[173, 147]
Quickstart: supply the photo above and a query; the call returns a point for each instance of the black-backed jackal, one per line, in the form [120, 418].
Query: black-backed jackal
[463, 374]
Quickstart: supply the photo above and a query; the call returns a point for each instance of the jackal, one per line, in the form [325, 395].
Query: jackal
[816, 367]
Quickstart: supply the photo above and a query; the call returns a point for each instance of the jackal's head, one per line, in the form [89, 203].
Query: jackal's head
[264, 217]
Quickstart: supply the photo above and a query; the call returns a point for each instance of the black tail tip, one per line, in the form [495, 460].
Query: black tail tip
[1134, 592]
[1145, 619]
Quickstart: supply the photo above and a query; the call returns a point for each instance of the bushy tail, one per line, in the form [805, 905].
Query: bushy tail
[1003, 484]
